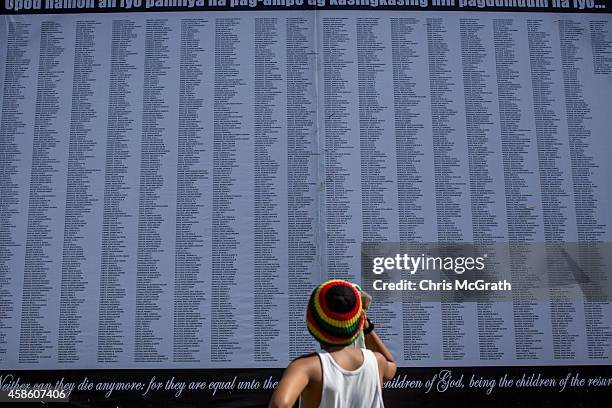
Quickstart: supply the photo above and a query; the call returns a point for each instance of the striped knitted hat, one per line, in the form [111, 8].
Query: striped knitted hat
[334, 315]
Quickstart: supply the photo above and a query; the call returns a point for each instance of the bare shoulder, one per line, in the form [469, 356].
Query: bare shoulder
[386, 368]
[296, 380]
[308, 363]
[381, 360]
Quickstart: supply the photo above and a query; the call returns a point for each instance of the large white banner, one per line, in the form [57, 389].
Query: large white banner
[173, 185]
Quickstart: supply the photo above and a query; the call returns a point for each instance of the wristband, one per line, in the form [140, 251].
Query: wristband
[370, 327]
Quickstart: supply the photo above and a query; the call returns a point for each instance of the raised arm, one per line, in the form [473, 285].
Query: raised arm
[387, 364]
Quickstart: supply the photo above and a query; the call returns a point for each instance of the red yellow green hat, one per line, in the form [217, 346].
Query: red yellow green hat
[334, 315]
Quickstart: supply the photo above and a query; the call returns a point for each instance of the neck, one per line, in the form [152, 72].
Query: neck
[330, 349]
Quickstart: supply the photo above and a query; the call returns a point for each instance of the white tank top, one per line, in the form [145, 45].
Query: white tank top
[342, 388]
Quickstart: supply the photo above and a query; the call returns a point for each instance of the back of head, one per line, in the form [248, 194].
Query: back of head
[334, 316]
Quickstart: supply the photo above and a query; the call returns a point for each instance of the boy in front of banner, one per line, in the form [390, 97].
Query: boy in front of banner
[340, 375]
